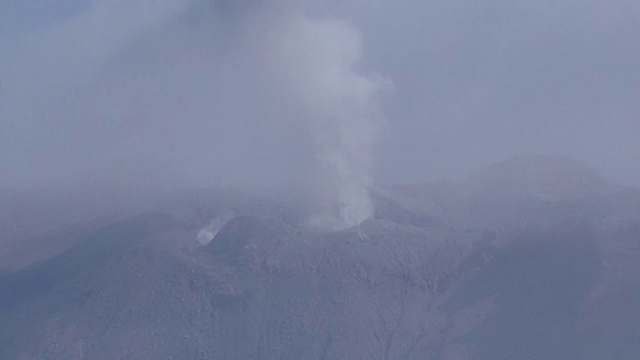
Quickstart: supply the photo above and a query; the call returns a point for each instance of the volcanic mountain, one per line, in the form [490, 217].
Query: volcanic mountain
[533, 258]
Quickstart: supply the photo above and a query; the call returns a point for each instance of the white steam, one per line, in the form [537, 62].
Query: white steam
[319, 59]
[202, 92]
[206, 234]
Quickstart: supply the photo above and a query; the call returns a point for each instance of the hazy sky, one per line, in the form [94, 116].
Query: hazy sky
[210, 92]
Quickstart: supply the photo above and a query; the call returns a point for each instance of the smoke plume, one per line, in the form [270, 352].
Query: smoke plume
[199, 92]
[319, 59]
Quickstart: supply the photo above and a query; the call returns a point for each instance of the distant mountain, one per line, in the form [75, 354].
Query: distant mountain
[550, 177]
[505, 193]
[534, 258]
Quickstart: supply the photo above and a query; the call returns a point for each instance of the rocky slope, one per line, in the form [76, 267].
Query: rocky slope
[535, 258]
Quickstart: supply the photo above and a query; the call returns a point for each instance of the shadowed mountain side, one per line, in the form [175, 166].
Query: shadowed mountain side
[37, 226]
[72, 298]
[537, 288]
[105, 244]
[28, 251]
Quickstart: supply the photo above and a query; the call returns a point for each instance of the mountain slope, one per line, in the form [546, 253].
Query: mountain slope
[440, 272]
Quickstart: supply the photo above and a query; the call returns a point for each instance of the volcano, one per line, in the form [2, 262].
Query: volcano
[533, 258]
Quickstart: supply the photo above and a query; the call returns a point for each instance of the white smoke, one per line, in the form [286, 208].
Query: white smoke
[319, 58]
[206, 234]
[199, 91]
